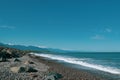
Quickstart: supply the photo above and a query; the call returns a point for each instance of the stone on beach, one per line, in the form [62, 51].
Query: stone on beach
[30, 69]
[29, 62]
[18, 69]
[33, 75]
[53, 76]
[11, 53]
[16, 60]
[23, 69]
[3, 58]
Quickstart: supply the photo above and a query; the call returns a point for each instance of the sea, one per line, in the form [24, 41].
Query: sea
[107, 63]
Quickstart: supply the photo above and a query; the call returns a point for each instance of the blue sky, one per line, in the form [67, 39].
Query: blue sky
[84, 25]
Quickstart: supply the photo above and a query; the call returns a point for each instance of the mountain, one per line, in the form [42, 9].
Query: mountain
[33, 48]
[58, 50]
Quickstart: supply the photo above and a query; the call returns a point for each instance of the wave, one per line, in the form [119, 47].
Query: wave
[81, 62]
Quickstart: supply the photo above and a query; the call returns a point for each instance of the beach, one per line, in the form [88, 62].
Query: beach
[21, 65]
[69, 73]
[43, 67]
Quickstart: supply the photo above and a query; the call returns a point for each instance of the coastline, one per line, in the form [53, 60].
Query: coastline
[22, 65]
[69, 73]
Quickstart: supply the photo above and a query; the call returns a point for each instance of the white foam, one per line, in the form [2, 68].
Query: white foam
[82, 63]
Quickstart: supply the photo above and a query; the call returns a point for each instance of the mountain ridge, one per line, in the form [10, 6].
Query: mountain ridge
[33, 48]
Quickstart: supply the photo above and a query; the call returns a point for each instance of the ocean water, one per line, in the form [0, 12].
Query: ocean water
[108, 62]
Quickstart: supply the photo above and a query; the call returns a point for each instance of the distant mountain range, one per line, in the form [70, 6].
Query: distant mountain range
[34, 48]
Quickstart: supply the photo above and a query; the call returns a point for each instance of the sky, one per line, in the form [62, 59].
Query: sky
[83, 25]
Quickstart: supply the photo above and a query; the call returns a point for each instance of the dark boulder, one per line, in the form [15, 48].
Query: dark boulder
[16, 60]
[11, 52]
[53, 76]
[30, 69]
[3, 59]
[18, 69]
[23, 69]
[3, 56]
[28, 62]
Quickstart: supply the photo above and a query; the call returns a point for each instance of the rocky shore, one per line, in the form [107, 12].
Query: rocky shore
[19, 65]
[68, 73]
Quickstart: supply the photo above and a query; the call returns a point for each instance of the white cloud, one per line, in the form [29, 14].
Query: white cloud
[42, 46]
[102, 34]
[66, 49]
[7, 27]
[98, 37]
[10, 44]
[108, 30]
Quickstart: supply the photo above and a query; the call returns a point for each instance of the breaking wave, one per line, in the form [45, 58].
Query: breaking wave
[80, 61]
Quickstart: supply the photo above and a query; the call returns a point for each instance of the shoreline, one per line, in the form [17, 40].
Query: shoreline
[69, 73]
[22, 65]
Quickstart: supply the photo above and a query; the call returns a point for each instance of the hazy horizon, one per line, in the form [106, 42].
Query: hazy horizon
[58, 49]
[88, 25]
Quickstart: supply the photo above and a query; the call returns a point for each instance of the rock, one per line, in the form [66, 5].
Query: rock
[33, 75]
[5, 53]
[3, 57]
[53, 76]
[29, 62]
[16, 60]
[50, 78]
[30, 69]
[8, 51]
[11, 52]
[18, 69]
[23, 69]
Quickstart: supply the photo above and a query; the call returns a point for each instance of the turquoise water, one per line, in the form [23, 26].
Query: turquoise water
[102, 61]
